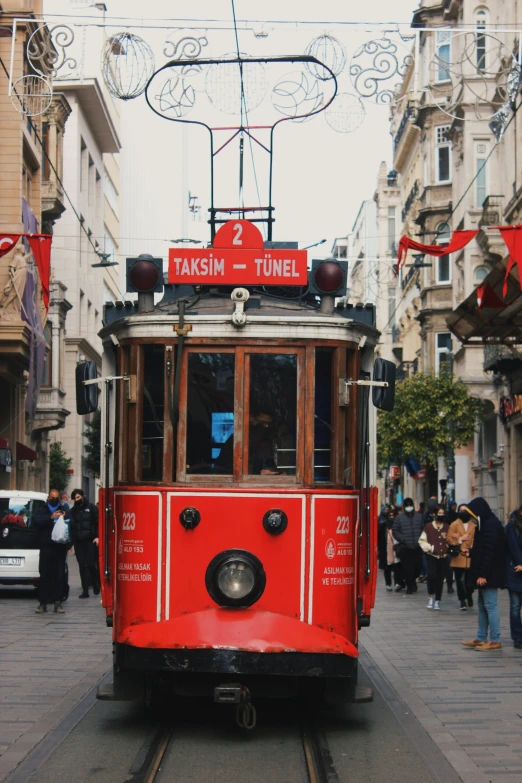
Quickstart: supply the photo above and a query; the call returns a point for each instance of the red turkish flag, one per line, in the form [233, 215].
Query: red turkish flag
[40, 244]
[458, 240]
[486, 297]
[7, 242]
[512, 236]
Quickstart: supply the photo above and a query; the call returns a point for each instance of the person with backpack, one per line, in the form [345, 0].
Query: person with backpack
[406, 530]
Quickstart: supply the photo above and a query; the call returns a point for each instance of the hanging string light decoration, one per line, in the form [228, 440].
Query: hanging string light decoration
[127, 65]
[346, 113]
[297, 93]
[377, 68]
[223, 85]
[329, 51]
[32, 95]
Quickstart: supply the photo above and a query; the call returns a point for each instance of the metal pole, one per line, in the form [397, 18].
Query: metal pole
[450, 487]
[108, 450]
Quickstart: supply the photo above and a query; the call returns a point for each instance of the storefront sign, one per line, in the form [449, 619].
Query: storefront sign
[509, 406]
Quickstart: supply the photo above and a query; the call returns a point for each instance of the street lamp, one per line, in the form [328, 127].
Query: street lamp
[315, 244]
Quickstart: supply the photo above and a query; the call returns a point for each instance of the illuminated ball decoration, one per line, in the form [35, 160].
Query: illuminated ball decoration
[297, 94]
[127, 65]
[329, 51]
[346, 113]
[223, 85]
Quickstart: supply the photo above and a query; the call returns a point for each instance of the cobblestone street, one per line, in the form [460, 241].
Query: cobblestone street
[48, 663]
[470, 703]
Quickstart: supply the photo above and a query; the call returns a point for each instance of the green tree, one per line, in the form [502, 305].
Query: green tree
[59, 464]
[432, 414]
[92, 448]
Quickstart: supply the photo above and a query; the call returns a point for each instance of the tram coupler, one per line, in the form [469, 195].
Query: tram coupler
[230, 693]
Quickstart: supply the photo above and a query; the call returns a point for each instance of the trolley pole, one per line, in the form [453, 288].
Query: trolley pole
[450, 487]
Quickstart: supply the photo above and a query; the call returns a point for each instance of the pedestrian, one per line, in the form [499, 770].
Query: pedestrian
[406, 530]
[428, 515]
[487, 571]
[389, 562]
[460, 543]
[433, 542]
[514, 575]
[84, 536]
[52, 555]
[452, 513]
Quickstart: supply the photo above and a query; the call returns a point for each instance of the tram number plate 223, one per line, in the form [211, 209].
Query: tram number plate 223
[129, 520]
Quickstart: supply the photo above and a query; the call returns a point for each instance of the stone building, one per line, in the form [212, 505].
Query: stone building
[30, 202]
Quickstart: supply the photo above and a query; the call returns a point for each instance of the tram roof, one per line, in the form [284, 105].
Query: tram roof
[267, 314]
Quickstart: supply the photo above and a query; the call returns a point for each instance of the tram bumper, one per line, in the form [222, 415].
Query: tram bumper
[236, 641]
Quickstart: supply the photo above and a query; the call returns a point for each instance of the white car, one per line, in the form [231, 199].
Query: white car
[19, 551]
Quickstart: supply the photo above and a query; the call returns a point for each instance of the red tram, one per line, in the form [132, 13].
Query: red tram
[238, 539]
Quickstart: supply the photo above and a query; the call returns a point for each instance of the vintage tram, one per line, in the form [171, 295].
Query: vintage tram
[238, 521]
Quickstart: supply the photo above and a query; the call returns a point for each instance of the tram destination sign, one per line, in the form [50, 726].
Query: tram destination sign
[238, 257]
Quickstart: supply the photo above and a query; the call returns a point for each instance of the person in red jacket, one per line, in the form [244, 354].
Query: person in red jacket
[433, 542]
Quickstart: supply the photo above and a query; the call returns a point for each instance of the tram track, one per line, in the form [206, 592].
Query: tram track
[318, 765]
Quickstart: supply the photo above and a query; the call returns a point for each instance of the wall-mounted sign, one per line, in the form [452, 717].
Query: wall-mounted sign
[238, 257]
[509, 406]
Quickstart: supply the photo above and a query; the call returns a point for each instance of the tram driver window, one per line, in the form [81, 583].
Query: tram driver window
[210, 413]
[153, 404]
[272, 423]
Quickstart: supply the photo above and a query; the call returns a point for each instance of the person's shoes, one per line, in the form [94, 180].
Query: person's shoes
[388, 588]
[517, 645]
[398, 588]
[473, 643]
[489, 646]
[42, 608]
[470, 603]
[420, 579]
[96, 590]
[463, 607]
[451, 590]
[414, 589]
[436, 605]
[430, 603]
[83, 595]
[409, 592]
[58, 608]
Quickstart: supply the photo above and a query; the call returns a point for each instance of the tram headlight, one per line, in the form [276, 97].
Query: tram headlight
[235, 578]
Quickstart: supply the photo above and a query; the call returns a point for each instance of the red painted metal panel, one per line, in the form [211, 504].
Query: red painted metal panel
[332, 578]
[138, 531]
[237, 629]
[235, 522]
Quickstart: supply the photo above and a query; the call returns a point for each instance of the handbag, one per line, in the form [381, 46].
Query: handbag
[60, 534]
[454, 550]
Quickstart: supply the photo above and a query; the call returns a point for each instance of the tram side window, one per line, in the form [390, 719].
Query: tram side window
[153, 413]
[210, 413]
[273, 414]
[323, 414]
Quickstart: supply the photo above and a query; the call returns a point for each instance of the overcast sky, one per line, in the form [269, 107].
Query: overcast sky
[320, 176]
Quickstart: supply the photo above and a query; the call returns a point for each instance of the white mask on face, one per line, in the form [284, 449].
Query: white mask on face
[408, 509]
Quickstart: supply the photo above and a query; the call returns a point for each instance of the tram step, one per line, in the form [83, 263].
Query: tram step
[105, 692]
[362, 695]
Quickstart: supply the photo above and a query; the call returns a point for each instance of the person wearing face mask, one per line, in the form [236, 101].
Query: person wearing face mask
[84, 536]
[514, 575]
[433, 542]
[487, 571]
[460, 542]
[406, 529]
[52, 555]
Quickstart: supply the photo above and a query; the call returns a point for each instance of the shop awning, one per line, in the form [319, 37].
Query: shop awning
[4, 444]
[24, 452]
[489, 321]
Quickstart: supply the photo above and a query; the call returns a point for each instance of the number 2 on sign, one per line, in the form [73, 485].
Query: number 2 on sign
[343, 525]
[129, 520]
[238, 228]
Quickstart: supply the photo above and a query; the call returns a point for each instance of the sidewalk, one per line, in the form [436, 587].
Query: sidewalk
[470, 703]
[48, 663]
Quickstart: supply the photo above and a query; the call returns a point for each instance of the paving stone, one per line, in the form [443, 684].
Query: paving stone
[469, 704]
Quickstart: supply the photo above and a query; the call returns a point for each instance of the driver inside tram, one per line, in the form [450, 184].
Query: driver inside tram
[262, 448]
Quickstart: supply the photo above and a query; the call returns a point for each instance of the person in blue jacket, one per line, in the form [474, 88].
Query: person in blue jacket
[514, 574]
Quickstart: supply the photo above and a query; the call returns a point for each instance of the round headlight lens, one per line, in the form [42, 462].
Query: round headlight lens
[236, 579]
[5, 532]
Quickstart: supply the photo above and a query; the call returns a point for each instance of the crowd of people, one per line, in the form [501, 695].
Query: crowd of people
[81, 520]
[466, 545]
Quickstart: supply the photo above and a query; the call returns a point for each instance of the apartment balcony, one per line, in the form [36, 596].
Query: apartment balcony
[406, 137]
[407, 369]
[51, 412]
[53, 204]
[503, 359]
[492, 211]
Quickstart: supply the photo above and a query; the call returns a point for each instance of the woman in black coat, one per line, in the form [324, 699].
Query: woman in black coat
[514, 575]
[487, 571]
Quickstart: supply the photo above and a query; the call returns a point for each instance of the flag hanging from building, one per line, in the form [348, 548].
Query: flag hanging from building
[7, 242]
[459, 240]
[512, 236]
[40, 245]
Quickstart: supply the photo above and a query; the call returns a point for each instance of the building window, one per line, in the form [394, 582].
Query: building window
[392, 307]
[443, 55]
[111, 194]
[47, 375]
[481, 40]
[443, 352]
[442, 153]
[27, 182]
[46, 168]
[392, 247]
[481, 273]
[481, 173]
[83, 165]
[443, 264]
[109, 245]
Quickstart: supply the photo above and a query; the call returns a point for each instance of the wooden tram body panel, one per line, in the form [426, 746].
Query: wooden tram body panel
[320, 572]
